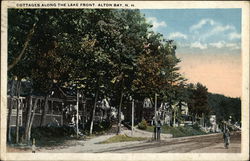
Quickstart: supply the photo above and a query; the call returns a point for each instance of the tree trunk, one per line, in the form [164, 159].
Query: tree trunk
[10, 111]
[84, 114]
[26, 43]
[174, 119]
[202, 123]
[93, 112]
[119, 110]
[31, 119]
[195, 117]
[17, 121]
[28, 116]
[95, 103]
[44, 113]
[9, 119]
[18, 90]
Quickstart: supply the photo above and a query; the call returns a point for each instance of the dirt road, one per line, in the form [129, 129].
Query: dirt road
[202, 144]
[197, 144]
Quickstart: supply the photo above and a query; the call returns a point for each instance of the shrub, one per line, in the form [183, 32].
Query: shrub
[51, 132]
[196, 126]
[98, 127]
[143, 125]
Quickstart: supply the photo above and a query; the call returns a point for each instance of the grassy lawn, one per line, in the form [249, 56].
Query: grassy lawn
[51, 136]
[122, 138]
[178, 131]
[53, 141]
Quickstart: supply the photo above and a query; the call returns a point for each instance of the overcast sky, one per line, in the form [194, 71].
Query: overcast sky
[208, 43]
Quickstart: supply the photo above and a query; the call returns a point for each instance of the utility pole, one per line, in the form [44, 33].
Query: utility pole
[155, 116]
[84, 113]
[155, 108]
[133, 109]
[77, 113]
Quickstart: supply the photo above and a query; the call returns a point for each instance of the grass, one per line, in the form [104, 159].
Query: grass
[58, 136]
[178, 131]
[53, 141]
[48, 137]
[122, 138]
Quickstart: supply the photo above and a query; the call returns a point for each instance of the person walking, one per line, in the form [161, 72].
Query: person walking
[159, 130]
[226, 137]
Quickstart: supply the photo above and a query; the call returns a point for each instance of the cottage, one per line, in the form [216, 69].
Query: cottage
[54, 110]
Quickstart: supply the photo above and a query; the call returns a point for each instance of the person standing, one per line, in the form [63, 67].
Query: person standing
[159, 130]
[226, 137]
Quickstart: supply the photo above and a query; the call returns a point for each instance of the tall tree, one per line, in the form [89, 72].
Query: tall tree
[157, 70]
[198, 101]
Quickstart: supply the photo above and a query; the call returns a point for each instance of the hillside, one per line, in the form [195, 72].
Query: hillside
[224, 107]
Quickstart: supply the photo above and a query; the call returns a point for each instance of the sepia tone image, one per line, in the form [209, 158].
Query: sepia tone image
[98, 80]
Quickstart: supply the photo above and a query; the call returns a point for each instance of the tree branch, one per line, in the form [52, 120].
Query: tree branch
[29, 36]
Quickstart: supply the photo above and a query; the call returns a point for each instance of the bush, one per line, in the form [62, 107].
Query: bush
[196, 126]
[179, 131]
[98, 127]
[51, 132]
[143, 125]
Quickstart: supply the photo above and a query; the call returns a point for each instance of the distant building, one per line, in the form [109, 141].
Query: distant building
[147, 103]
[165, 112]
[214, 126]
[184, 108]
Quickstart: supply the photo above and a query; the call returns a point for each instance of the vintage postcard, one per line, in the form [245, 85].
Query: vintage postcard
[125, 80]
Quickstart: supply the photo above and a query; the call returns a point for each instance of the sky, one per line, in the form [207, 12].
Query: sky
[208, 44]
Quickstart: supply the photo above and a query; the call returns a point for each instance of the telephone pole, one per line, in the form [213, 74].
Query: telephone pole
[155, 131]
[77, 113]
[133, 109]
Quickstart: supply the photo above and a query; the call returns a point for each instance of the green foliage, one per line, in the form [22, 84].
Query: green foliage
[157, 71]
[198, 100]
[224, 107]
[110, 52]
[51, 136]
[143, 125]
[196, 126]
[51, 132]
[179, 131]
[68, 45]
[98, 128]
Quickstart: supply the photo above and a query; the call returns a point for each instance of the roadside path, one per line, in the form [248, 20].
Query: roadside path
[92, 145]
[89, 146]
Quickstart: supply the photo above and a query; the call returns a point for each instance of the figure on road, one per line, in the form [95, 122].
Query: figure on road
[226, 137]
[159, 130]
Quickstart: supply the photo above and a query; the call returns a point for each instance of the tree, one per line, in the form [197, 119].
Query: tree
[158, 72]
[198, 101]
[133, 29]
[223, 107]
[100, 52]
[38, 52]
[21, 28]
